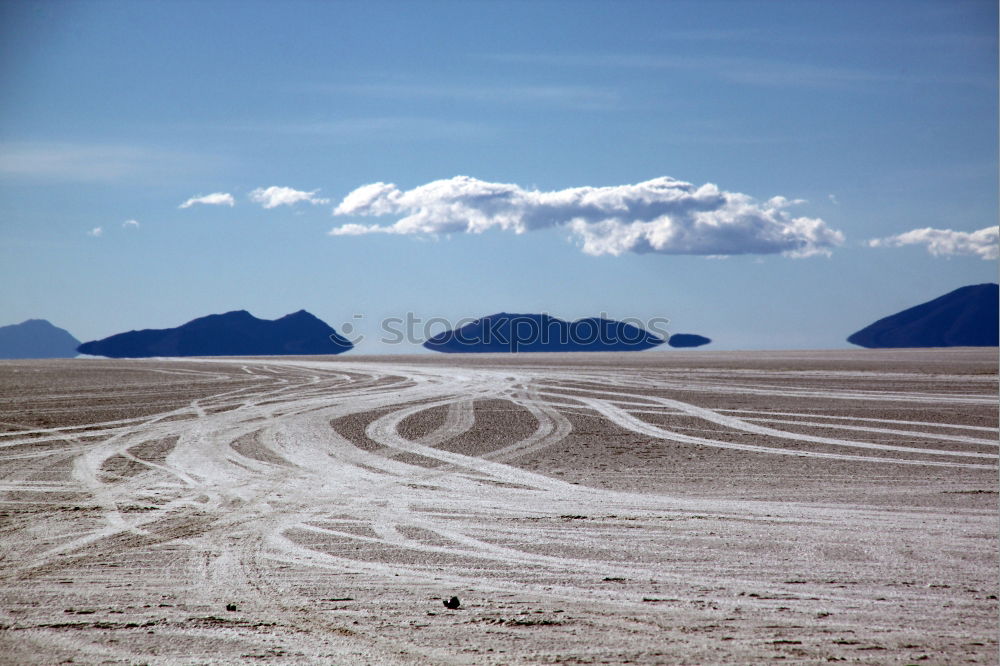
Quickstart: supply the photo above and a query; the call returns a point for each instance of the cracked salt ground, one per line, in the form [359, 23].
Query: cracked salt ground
[645, 508]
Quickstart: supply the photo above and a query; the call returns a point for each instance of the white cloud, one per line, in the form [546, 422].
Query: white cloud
[96, 232]
[214, 199]
[130, 224]
[662, 215]
[275, 196]
[945, 242]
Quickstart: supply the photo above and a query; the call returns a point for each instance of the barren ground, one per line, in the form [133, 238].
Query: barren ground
[675, 508]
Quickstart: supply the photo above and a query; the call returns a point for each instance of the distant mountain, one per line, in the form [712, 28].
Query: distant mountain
[36, 338]
[505, 332]
[687, 340]
[966, 317]
[236, 333]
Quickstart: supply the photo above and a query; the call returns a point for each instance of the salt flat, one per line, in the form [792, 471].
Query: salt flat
[661, 507]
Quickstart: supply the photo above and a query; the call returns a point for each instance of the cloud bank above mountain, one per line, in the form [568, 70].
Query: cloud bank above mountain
[663, 215]
[947, 243]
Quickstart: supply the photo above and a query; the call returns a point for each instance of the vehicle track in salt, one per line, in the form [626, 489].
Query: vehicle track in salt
[573, 517]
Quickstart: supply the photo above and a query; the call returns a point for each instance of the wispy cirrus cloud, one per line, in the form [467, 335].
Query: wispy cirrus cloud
[554, 95]
[274, 196]
[63, 161]
[984, 243]
[375, 128]
[214, 199]
[130, 224]
[663, 215]
[96, 232]
[751, 70]
[96, 162]
[748, 70]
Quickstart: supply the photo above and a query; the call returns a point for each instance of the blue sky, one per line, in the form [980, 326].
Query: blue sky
[873, 120]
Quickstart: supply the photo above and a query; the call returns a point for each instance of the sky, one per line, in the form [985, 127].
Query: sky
[772, 175]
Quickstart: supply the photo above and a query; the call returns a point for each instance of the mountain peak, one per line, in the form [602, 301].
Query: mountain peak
[36, 338]
[299, 314]
[965, 317]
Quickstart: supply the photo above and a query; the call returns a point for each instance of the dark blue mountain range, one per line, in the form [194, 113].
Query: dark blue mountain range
[236, 333]
[966, 317]
[505, 333]
[687, 340]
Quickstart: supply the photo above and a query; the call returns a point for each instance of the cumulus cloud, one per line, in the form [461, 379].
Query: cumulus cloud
[214, 199]
[948, 243]
[130, 224]
[96, 232]
[275, 196]
[662, 215]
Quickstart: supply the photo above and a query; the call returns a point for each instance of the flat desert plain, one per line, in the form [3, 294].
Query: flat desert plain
[645, 508]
